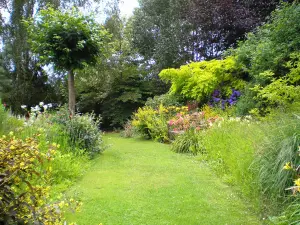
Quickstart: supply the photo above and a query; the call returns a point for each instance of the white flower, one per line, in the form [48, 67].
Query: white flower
[23, 106]
[50, 105]
[41, 104]
[37, 108]
[45, 107]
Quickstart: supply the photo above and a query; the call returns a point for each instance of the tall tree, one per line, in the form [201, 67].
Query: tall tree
[69, 40]
[119, 85]
[25, 81]
[169, 33]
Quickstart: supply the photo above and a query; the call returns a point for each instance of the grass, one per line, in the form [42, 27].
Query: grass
[142, 182]
[230, 151]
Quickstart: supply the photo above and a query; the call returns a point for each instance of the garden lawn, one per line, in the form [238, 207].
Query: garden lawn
[142, 182]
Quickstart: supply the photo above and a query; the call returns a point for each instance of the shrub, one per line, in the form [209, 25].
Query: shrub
[152, 123]
[84, 133]
[196, 120]
[128, 130]
[198, 80]
[270, 46]
[82, 130]
[24, 191]
[270, 56]
[188, 142]
[70, 161]
[165, 100]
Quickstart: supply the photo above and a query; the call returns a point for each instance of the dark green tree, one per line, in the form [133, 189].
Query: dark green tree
[69, 40]
[119, 84]
[169, 33]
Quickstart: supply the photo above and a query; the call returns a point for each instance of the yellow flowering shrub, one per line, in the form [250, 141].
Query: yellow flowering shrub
[153, 123]
[24, 183]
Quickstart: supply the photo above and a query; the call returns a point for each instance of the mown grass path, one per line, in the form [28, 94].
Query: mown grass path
[142, 182]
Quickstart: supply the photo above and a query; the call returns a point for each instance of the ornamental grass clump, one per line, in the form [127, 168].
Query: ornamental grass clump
[188, 142]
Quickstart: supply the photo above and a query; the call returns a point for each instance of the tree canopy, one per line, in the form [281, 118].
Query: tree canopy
[69, 40]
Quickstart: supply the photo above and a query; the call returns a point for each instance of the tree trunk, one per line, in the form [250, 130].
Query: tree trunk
[71, 86]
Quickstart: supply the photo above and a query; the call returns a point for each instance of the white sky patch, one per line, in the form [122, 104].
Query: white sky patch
[127, 7]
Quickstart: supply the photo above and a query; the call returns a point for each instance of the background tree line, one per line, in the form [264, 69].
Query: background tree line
[160, 34]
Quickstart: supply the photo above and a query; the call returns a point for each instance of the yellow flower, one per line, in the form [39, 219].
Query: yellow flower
[287, 166]
[61, 204]
[12, 147]
[297, 182]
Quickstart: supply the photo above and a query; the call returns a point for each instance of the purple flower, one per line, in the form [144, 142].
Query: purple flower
[236, 93]
[216, 93]
[216, 99]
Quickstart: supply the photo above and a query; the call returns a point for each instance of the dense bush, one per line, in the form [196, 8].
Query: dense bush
[198, 80]
[24, 184]
[196, 120]
[84, 133]
[153, 123]
[165, 100]
[270, 56]
[83, 130]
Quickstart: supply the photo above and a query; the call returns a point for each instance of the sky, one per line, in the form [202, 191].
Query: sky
[127, 7]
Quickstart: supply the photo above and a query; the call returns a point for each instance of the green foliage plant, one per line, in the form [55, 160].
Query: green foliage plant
[7, 121]
[279, 150]
[230, 149]
[165, 100]
[24, 183]
[71, 160]
[283, 90]
[198, 80]
[69, 40]
[153, 123]
[270, 57]
[188, 142]
[84, 133]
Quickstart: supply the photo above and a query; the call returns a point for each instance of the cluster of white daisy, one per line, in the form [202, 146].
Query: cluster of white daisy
[38, 107]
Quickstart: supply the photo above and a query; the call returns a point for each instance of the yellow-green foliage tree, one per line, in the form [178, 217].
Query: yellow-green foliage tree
[198, 80]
